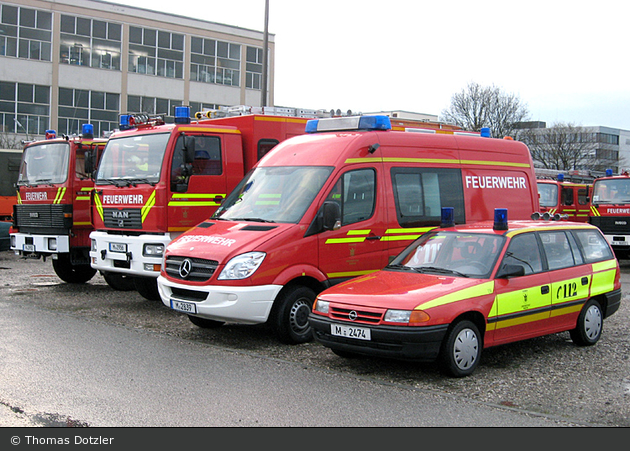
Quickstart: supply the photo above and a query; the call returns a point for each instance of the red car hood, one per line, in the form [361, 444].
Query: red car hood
[396, 289]
[221, 240]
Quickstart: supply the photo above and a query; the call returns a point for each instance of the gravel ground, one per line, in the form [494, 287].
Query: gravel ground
[549, 375]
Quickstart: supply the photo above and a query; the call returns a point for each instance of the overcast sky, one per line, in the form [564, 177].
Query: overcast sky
[566, 60]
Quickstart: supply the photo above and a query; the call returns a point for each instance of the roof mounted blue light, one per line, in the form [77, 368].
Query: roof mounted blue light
[87, 131]
[485, 132]
[51, 134]
[125, 122]
[500, 219]
[448, 217]
[609, 173]
[561, 177]
[182, 115]
[377, 122]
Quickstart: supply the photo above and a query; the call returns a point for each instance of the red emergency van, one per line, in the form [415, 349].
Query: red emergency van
[458, 290]
[338, 202]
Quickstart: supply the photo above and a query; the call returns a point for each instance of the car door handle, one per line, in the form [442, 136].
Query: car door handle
[544, 289]
[584, 280]
[373, 238]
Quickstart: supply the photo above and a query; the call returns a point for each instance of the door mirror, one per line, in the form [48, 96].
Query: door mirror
[89, 163]
[331, 212]
[508, 271]
[189, 149]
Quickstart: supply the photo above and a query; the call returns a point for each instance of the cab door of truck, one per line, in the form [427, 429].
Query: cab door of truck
[356, 247]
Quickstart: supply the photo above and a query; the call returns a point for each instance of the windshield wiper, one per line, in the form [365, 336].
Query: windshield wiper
[252, 220]
[441, 270]
[403, 267]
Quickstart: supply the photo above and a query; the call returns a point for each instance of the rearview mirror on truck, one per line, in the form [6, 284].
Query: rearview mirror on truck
[331, 212]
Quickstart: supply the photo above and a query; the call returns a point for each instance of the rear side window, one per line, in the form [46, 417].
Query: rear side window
[593, 245]
[420, 194]
[561, 252]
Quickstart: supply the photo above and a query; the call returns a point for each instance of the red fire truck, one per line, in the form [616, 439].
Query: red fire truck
[157, 180]
[338, 202]
[566, 195]
[52, 214]
[9, 166]
[610, 210]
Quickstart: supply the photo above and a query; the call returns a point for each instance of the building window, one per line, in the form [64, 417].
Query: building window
[200, 107]
[154, 52]
[80, 106]
[92, 43]
[24, 108]
[153, 106]
[25, 33]
[254, 68]
[215, 61]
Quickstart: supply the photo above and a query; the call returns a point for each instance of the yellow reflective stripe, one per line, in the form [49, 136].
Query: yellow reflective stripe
[280, 119]
[186, 203]
[602, 266]
[83, 198]
[467, 293]
[81, 223]
[345, 240]
[573, 308]
[405, 234]
[147, 207]
[594, 211]
[451, 161]
[98, 204]
[209, 129]
[539, 316]
[59, 196]
[512, 233]
[205, 200]
[333, 275]
[358, 232]
[19, 198]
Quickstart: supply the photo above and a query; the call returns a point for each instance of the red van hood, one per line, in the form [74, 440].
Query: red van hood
[396, 289]
[220, 240]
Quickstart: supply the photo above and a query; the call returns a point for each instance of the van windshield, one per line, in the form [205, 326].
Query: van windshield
[274, 194]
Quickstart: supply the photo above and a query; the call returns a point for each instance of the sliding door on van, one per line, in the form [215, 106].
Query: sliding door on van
[355, 248]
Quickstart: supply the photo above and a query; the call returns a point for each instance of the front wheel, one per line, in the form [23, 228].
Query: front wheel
[119, 282]
[205, 323]
[289, 317]
[147, 287]
[590, 324]
[461, 349]
[72, 273]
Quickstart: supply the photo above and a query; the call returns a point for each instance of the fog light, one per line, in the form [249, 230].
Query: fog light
[52, 244]
[93, 245]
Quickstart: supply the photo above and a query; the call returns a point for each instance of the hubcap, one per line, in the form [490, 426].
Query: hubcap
[299, 316]
[592, 322]
[466, 349]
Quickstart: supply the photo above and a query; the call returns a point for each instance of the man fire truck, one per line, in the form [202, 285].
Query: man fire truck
[610, 210]
[564, 194]
[52, 214]
[9, 166]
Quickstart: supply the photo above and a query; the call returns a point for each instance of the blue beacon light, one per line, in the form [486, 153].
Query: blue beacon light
[87, 131]
[500, 219]
[609, 172]
[448, 217]
[182, 115]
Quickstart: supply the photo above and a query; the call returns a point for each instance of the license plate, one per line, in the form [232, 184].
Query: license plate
[360, 333]
[29, 247]
[620, 243]
[185, 307]
[118, 247]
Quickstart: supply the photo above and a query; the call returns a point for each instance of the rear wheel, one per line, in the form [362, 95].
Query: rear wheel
[590, 324]
[289, 317]
[147, 287]
[72, 273]
[204, 322]
[119, 282]
[461, 350]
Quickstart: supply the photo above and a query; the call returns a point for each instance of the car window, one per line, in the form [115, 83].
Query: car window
[557, 249]
[593, 245]
[523, 251]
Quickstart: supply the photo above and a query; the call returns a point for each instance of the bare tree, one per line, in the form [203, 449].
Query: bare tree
[10, 141]
[563, 146]
[479, 106]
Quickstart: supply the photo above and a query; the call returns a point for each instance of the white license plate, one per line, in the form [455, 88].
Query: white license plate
[185, 307]
[621, 243]
[361, 333]
[29, 247]
[118, 247]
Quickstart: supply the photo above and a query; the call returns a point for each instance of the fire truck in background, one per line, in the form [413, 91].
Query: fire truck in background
[9, 167]
[565, 193]
[610, 210]
[158, 180]
[51, 217]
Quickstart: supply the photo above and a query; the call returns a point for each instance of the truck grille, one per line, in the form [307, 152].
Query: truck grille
[125, 218]
[612, 225]
[39, 218]
[200, 269]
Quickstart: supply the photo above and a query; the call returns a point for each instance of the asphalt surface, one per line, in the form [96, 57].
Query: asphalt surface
[548, 377]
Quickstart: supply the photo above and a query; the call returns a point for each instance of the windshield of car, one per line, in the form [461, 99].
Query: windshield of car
[44, 164]
[132, 159]
[457, 254]
[274, 194]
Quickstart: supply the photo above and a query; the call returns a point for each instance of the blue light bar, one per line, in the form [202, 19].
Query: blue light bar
[348, 123]
[561, 177]
[182, 115]
[125, 122]
[500, 219]
[87, 131]
[51, 134]
[448, 217]
[485, 132]
[609, 173]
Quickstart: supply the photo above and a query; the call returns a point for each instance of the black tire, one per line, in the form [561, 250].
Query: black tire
[289, 317]
[147, 287]
[461, 349]
[590, 324]
[119, 282]
[72, 273]
[205, 323]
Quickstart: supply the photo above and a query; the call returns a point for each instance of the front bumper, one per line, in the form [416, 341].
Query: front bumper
[397, 342]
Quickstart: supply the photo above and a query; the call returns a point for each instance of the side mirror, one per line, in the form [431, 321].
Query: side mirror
[89, 163]
[508, 271]
[189, 149]
[331, 212]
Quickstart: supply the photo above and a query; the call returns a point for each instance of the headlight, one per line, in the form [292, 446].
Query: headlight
[93, 245]
[52, 244]
[153, 250]
[321, 306]
[410, 317]
[242, 266]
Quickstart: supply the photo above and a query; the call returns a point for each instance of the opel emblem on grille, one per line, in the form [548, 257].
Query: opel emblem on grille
[184, 268]
[352, 315]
